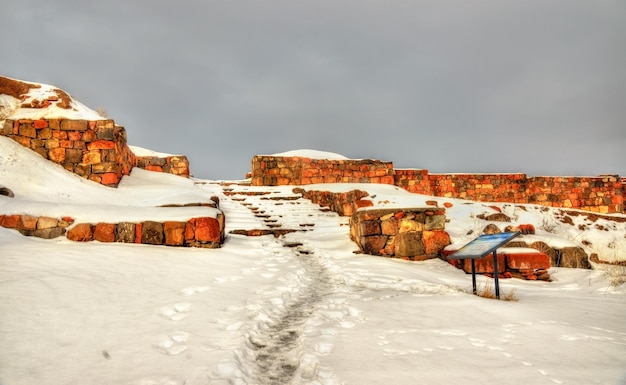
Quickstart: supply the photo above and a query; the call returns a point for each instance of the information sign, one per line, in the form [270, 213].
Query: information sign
[479, 248]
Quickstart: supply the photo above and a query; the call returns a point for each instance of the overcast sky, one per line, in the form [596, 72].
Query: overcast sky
[529, 86]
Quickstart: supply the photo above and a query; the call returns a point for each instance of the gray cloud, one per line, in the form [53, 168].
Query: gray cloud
[482, 86]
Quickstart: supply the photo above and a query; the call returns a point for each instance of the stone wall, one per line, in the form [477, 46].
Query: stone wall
[175, 164]
[96, 150]
[601, 194]
[205, 232]
[293, 170]
[408, 233]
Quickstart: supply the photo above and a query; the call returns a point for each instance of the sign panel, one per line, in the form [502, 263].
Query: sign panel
[483, 245]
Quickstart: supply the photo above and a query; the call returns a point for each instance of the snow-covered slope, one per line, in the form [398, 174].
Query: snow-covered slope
[297, 309]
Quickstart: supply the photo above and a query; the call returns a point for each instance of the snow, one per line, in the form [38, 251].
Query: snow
[140, 151]
[313, 154]
[9, 106]
[298, 309]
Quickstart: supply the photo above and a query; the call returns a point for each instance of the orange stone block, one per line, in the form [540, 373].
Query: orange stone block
[41, 123]
[101, 145]
[109, 178]
[10, 221]
[154, 168]
[484, 265]
[82, 232]
[28, 222]
[208, 229]
[104, 232]
[528, 261]
[138, 233]
[190, 230]
[57, 155]
[435, 241]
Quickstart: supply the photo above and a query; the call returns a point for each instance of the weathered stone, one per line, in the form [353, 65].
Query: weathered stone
[57, 155]
[369, 228]
[406, 225]
[435, 241]
[10, 221]
[28, 131]
[491, 229]
[92, 157]
[105, 133]
[74, 125]
[104, 232]
[528, 261]
[435, 222]
[83, 170]
[373, 244]
[408, 244]
[101, 145]
[103, 167]
[208, 230]
[125, 232]
[28, 222]
[49, 233]
[73, 155]
[109, 179]
[152, 233]
[484, 265]
[47, 222]
[573, 257]
[389, 226]
[7, 192]
[174, 233]
[498, 217]
[82, 232]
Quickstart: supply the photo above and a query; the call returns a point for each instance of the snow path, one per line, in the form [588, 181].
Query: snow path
[274, 350]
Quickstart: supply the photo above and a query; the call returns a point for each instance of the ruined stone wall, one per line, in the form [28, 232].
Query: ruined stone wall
[602, 194]
[96, 150]
[279, 171]
[480, 187]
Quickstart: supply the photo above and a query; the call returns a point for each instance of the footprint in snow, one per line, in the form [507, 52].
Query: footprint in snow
[175, 312]
[173, 343]
[187, 291]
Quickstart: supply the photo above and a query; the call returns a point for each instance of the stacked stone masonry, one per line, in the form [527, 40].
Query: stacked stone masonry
[207, 232]
[601, 194]
[408, 233]
[275, 170]
[96, 150]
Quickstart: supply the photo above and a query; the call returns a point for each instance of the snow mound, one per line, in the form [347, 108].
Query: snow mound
[313, 154]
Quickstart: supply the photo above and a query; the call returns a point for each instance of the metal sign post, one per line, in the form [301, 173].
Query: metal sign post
[479, 248]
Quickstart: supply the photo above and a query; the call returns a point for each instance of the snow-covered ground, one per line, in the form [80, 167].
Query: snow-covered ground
[299, 309]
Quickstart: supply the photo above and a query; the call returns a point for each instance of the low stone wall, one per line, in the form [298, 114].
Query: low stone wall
[94, 149]
[408, 233]
[279, 171]
[205, 232]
